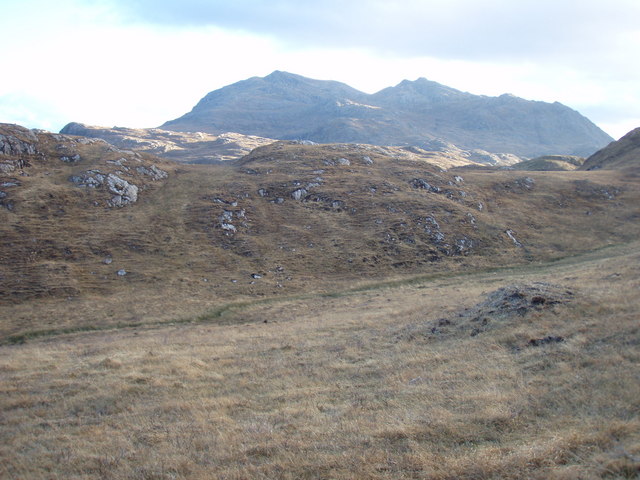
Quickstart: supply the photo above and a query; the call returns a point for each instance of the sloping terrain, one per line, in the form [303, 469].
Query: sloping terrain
[313, 311]
[618, 155]
[353, 385]
[287, 106]
[550, 163]
[182, 147]
[288, 218]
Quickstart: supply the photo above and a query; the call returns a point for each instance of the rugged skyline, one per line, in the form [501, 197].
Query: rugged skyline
[423, 113]
[138, 63]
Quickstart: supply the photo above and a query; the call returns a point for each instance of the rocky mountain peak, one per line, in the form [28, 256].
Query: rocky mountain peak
[286, 106]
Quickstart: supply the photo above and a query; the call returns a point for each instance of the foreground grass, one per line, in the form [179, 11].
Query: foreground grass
[333, 387]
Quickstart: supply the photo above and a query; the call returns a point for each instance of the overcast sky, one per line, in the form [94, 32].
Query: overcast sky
[139, 63]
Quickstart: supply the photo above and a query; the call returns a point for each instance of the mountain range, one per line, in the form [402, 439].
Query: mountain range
[420, 113]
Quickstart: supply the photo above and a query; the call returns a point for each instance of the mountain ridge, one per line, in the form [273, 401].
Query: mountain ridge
[287, 106]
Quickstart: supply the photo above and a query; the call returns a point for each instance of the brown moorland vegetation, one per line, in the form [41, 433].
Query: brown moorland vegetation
[346, 386]
[392, 320]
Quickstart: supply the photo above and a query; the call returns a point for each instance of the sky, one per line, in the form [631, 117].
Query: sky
[140, 63]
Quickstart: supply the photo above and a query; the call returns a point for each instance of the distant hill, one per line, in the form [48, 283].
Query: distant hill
[181, 147]
[206, 148]
[624, 153]
[550, 163]
[287, 106]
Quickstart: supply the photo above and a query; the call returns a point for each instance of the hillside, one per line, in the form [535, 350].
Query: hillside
[621, 154]
[204, 148]
[550, 163]
[288, 218]
[179, 147]
[287, 106]
[261, 317]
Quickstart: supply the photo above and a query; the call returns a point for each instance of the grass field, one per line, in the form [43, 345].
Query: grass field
[318, 312]
[345, 386]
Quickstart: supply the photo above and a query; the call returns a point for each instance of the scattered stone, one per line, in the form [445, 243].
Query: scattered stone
[458, 179]
[263, 193]
[228, 227]
[256, 276]
[463, 245]
[472, 219]
[343, 161]
[7, 167]
[108, 261]
[511, 235]
[120, 162]
[3, 194]
[122, 272]
[423, 184]
[89, 179]
[367, 160]
[154, 172]
[537, 342]
[72, 159]
[526, 182]
[431, 224]
[299, 194]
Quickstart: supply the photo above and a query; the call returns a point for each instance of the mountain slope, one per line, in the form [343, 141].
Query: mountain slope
[624, 153]
[288, 106]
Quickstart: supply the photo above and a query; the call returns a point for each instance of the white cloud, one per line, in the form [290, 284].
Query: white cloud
[141, 63]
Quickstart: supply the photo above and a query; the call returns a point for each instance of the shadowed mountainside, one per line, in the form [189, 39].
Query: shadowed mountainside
[287, 106]
[621, 154]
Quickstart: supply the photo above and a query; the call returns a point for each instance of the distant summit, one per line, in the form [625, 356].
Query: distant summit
[292, 107]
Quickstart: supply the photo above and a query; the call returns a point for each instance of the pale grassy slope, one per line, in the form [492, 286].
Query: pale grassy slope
[333, 387]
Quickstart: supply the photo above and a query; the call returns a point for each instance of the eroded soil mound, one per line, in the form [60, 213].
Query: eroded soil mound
[501, 306]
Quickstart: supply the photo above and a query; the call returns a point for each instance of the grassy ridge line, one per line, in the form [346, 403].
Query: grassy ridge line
[218, 313]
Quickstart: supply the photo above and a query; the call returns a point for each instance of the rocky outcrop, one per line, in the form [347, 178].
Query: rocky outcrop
[125, 192]
[287, 106]
[21, 141]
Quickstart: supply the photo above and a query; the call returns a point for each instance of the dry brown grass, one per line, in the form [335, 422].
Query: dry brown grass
[329, 387]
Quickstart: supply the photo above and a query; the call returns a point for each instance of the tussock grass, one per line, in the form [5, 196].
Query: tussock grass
[327, 389]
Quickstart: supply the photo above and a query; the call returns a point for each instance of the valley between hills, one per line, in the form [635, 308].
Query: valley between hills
[295, 309]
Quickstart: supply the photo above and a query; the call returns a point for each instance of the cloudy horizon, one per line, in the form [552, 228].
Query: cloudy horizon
[138, 63]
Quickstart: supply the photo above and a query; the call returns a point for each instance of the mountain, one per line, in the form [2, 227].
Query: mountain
[621, 154]
[288, 106]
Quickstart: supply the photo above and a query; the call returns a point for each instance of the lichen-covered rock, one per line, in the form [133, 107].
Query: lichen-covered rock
[125, 192]
[299, 194]
[154, 172]
[12, 145]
